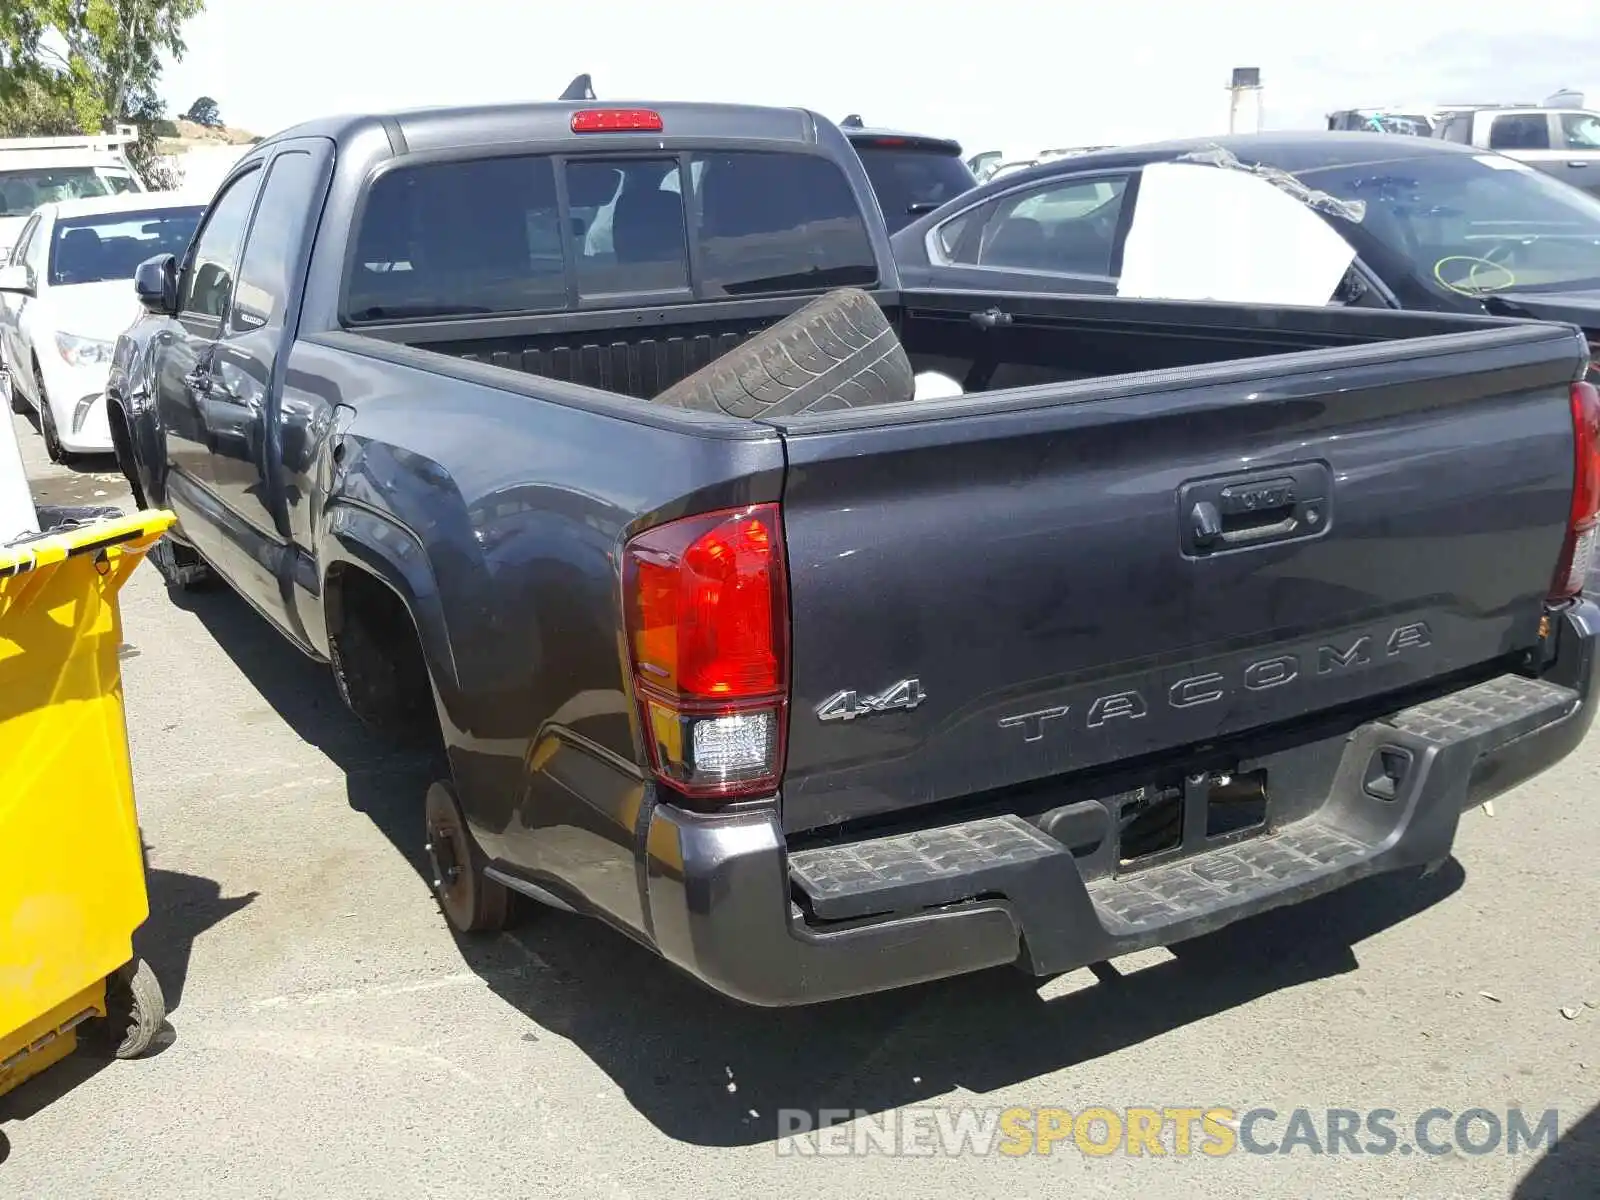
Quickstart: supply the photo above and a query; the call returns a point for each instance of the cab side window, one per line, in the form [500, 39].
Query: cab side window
[272, 253]
[1520, 131]
[1580, 131]
[207, 285]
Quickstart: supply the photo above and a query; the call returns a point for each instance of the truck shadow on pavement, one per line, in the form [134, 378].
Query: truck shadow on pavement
[1571, 1171]
[712, 1072]
[708, 1071]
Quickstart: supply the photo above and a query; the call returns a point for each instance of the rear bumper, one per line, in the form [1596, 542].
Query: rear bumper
[961, 898]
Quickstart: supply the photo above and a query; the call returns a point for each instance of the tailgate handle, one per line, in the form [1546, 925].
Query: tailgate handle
[1229, 514]
[1211, 526]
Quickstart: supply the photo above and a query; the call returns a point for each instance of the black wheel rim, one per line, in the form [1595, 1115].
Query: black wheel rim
[448, 862]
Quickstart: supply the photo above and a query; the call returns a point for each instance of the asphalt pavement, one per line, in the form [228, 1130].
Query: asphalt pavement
[330, 1038]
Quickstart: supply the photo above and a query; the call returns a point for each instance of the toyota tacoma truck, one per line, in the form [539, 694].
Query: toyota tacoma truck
[817, 681]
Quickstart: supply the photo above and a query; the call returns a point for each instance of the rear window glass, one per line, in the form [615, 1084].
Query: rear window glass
[910, 182]
[488, 236]
[443, 239]
[772, 222]
[628, 226]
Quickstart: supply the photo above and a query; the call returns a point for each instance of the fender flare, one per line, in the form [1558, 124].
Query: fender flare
[360, 538]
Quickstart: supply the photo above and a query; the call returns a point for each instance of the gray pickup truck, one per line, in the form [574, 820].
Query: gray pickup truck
[585, 440]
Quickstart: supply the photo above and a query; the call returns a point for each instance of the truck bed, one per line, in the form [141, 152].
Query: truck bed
[641, 353]
[1026, 555]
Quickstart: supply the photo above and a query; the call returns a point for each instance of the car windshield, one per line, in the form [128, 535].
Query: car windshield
[22, 191]
[910, 181]
[112, 245]
[1472, 224]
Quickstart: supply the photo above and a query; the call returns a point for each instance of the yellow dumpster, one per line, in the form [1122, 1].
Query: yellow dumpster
[72, 886]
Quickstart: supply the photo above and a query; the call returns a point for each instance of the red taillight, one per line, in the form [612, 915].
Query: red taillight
[616, 120]
[708, 624]
[1583, 524]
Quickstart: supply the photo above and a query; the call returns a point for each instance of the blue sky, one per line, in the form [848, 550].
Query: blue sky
[993, 73]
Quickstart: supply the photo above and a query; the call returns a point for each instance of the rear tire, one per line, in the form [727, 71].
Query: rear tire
[470, 900]
[837, 352]
[379, 669]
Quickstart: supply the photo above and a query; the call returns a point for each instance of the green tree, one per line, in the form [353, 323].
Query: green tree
[149, 115]
[32, 110]
[98, 60]
[101, 54]
[204, 111]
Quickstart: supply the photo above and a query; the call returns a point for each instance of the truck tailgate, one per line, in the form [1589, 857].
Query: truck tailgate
[1014, 586]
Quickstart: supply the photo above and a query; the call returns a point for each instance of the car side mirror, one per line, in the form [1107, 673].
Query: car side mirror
[16, 278]
[156, 285]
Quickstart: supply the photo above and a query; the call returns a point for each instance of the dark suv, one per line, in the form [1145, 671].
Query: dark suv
[912, 174]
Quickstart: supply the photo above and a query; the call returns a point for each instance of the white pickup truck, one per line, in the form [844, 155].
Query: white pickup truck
[1562, 141]
[35, 171]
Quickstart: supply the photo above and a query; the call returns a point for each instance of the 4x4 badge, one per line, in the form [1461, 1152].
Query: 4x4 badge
[847, 706]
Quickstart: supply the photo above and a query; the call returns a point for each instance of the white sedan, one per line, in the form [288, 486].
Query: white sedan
[65, 295]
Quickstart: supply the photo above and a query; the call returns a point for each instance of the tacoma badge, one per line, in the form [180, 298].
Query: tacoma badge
[847, 706]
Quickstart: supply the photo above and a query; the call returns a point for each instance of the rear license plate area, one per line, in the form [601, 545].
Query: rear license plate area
[1161, 822]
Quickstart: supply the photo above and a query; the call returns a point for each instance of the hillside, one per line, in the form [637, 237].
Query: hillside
[192, 135]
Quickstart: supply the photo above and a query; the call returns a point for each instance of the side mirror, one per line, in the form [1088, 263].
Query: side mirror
[16, 279]
[156, 285]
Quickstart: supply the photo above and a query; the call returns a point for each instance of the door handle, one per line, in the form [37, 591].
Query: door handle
[1577, 163]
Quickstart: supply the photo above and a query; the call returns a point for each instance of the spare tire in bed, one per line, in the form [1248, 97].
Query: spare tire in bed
[837, 352]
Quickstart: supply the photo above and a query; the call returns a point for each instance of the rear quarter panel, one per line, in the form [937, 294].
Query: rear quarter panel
[497, 505]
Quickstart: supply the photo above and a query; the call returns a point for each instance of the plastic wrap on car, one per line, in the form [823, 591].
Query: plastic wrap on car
[1217, 156]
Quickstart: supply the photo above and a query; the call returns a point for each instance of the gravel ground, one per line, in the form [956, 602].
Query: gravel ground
[330, 1037]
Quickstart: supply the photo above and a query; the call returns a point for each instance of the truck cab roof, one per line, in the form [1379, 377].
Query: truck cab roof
[439, 128]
